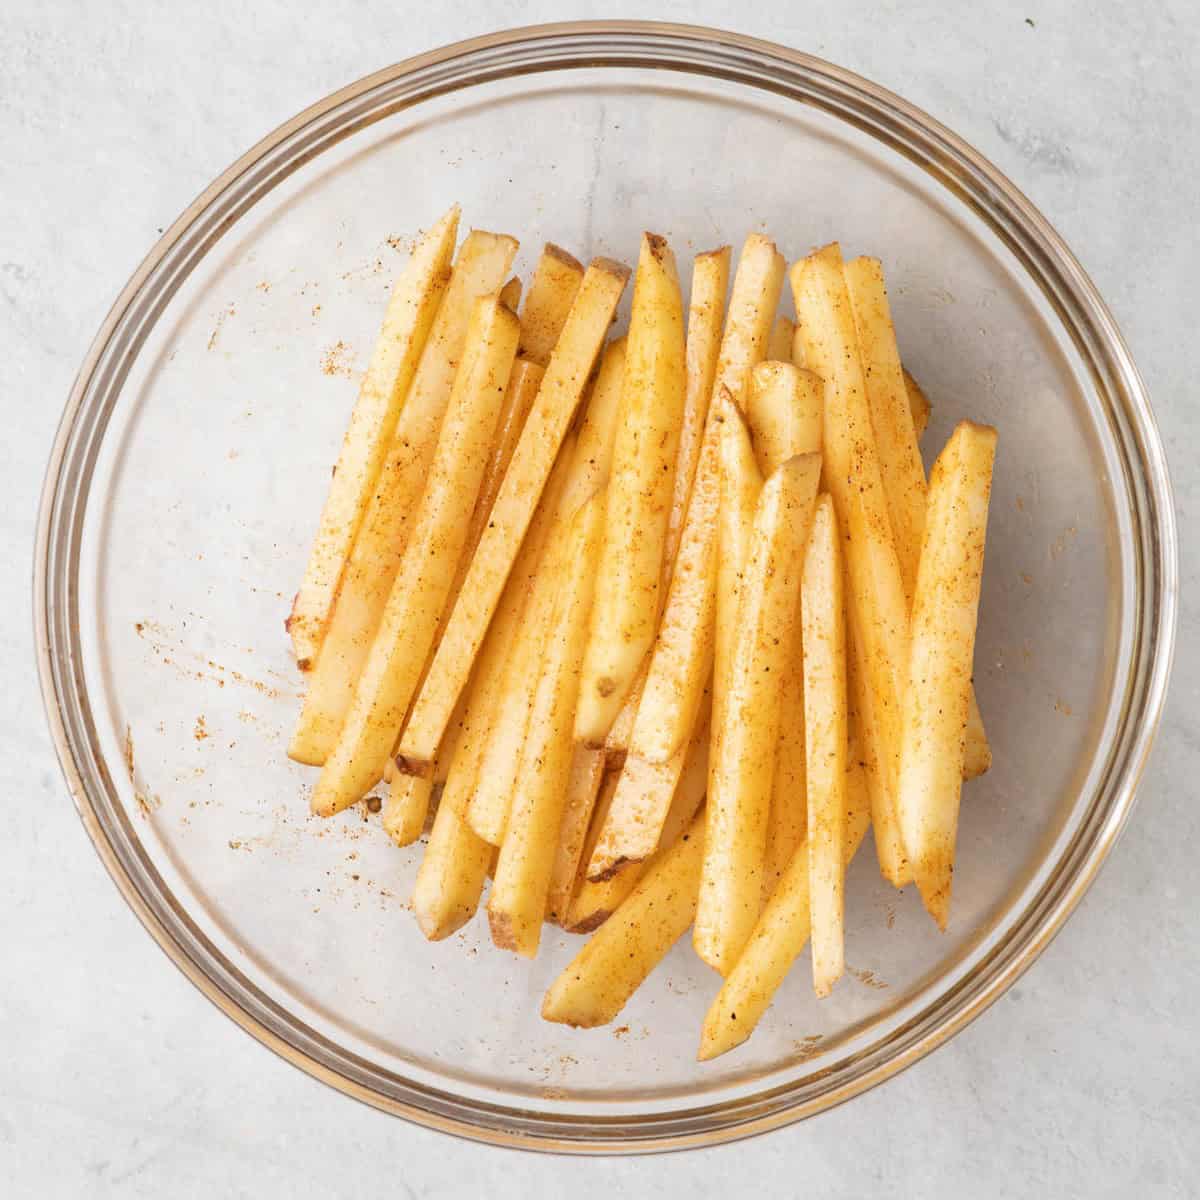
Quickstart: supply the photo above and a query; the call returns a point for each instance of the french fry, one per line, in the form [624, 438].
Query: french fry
[778, 937]
[393, 501]
[878, 609]
[618, 957]
[594, 903]
[681, 663]
[824, 641]
[407, 807]
[746, 727]
[903, 473]
[556, 281]
[410, 620]
[510, 294]
[589, 469]
[628, 573]
[918, 403]
[583, 790]
[450, 879]
[517, 904]
[779, 344]
[787, 825]
[407, 323]
[566, 376]
[783, 410]
[936, 700]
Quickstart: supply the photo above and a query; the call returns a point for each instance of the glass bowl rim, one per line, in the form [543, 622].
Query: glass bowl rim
[528, 50]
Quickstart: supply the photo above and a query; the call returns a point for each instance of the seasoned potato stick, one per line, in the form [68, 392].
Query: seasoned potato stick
[407, 807]
[594, 903]
[903, 473]
[628, 573]
[779, 936]
[824, 640]
[936, 700]
[787, 825]
[598, 982]
[407, 323]
[566, 376]
[876, 599]
[450, 879]
[510, 294]
[393, 501]
[556, 281]
[918, 403]
[583, 790]
[783, 409]
[779, 344]
[517, 904]
[410, 620]
[746, 729]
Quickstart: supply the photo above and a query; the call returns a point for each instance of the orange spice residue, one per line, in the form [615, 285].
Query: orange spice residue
[200, 733]
[335, 360]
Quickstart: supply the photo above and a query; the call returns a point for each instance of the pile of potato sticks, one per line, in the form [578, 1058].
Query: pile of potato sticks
[654, 626]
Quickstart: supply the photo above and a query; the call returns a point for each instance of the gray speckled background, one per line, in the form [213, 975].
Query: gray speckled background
[118, 1078]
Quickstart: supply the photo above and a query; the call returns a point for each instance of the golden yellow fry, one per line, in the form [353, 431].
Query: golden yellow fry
[510, 293]
[746, 729]
[407, 807]
[517, 904]
[562, 387]
[589, 469]
[450, 879]
[918, 403]
[583, 790]
[784, 411]
[779, 344]
[556, 281]
[407, 323]
[878, 611]
[936, 700]
[628, 573]
[410, 620]
[616, 959]
[594, 903]
[393, 502]
[787, 825]
[824, 640]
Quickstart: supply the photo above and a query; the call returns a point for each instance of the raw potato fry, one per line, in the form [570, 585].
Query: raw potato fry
[566, 376]
[393, 502]
[779, 344]
[878, 608]
[450, 878]
[628, 574]
[918, 403]
[896, 436]
[588, 470]
[613, 964]
[787, 825]
[746, 727]
[407, 807]
[936, 700]
[406, 327]
[594, 903]
[824, 641]
[681, 663]
[410, 620]
[517, 904]
[510, 294]
[556, 281]
[783, 409]
[583, 790]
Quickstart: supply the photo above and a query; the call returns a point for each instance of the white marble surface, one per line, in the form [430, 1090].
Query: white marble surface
[117, 1078]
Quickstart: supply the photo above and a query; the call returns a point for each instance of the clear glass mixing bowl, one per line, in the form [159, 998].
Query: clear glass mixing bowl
[187, 477]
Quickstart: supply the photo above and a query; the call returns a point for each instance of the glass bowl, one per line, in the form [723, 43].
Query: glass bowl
[186, 480]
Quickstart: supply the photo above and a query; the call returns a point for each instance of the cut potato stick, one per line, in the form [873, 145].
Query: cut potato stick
[510, 294]
[936, 700]
[824, 642]
[779, 344]
[517, 904]
[783, 410]
[410, 619]
[450, 879]
[407, 807]
[598, 982]
[583, 790]
[566, 376]
[588, 470]
[556, 281]
[393, 502]
[787, 825]
[877, 604]
[778, 938]
[746, 728]
[407, 323]
[896, 436]
[918, 403]
[594, 903]
[628, 573]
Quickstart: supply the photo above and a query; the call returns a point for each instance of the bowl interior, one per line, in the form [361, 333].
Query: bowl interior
[212, 470]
